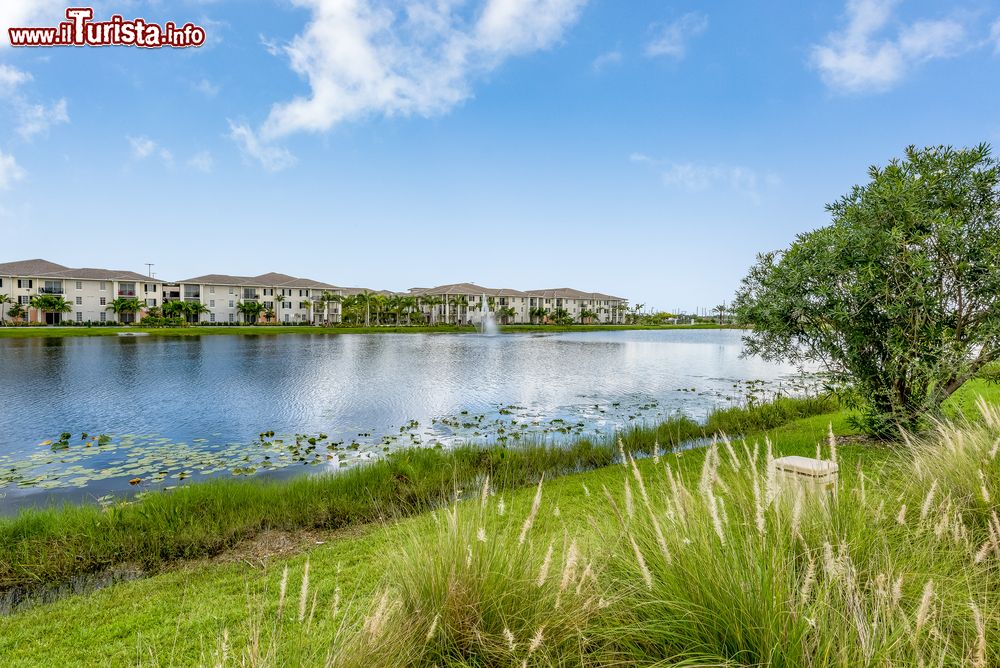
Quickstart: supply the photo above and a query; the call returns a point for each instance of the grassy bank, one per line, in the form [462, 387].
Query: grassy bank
[179, 616]
[371, 596]
[269, 330]
[202, 519]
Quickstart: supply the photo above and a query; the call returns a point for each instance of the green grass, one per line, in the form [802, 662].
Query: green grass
[179, 615]
[268, 330]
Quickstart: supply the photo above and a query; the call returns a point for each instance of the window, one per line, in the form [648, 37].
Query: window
[24, 283]
[286, 317]
[211, 317]
[23, 299]
[79, 300]
[286, 305]
[211, 303]
[104, 301]
[231, 317]
[79, 316]
[268, 304]
[302, 305]
[51, 288]
[150, 302]
[79, 285]
[104, 316]
[149, 287]
[230, 303]
[211, 289]
[103, 286]
[1, 282]
[230, 291]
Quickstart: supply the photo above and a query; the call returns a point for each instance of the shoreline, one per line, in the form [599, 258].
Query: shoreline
[56, 332]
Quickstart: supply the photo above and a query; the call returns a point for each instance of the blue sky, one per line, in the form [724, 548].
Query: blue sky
[646, 149]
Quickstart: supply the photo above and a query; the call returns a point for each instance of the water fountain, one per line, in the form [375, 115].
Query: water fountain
[487, 323]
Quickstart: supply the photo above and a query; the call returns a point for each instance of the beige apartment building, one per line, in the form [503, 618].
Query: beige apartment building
[292, 300]
[463, 303]
[88, 291]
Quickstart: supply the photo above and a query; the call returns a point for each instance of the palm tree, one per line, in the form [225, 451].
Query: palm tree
[174, 309]
[506, 313]
[250, 311]
[4, 300]
[586, 314]
[365, 297]
[561, 316]
[325, 300]
[458, 302]
[193, 309]
[308, 306]
[721, 310]
[54, 304]
[432, 301]
[538, 314]
[125, 308]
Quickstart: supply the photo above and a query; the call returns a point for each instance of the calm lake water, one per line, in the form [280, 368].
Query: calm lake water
[165, 410]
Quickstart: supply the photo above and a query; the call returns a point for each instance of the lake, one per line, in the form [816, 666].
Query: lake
[92, 414]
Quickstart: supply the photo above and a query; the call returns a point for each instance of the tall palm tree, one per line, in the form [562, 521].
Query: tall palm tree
[458, 302]
[432, 301]
[409, 304]
[586, 314]
[328, 298]
[125, 308]
[4, 300]
[380, 304]
[722, 311]
[506, 313]
[173, 309]
[365, 298]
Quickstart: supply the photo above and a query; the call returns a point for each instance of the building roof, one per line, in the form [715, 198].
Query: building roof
[468, 289]
[268, 280]
[571, 293]
[44, 269]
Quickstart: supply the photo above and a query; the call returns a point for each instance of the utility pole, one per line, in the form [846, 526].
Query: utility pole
[149, 268]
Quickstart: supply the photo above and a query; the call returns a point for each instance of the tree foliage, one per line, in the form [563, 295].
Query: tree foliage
[897, 298]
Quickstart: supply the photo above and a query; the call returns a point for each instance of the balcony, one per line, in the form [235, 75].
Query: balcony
[126, 293]
[192, 298]
[50, 291]
[251, 296]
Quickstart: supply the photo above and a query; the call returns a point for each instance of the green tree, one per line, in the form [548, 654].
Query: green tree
[250, 311]
[4, 300]
[538, 314]
[897, 298]
[457, 303]
[506, 313]
[193, 310]
[431, 301]
[54, 304]
[585, 315]
[17, 311]
[562, 317]
[125, 308]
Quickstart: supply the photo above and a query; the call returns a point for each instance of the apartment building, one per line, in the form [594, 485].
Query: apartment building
[463, 302]
[88, 291]
[607, 308]
[293, 300]
[287, 299]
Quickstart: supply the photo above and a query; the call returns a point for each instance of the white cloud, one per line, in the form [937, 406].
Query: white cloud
[606, 60]
[202, 161]
[859, 59]
[370, 57]
[206, 88]
[34, 119]
[995, 36]
[144, 147]
[10, 171]
[272, 158]
[672, 39]
[11, 78]
[700, 177]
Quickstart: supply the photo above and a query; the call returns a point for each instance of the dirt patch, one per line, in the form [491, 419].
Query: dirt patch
[277, 544]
